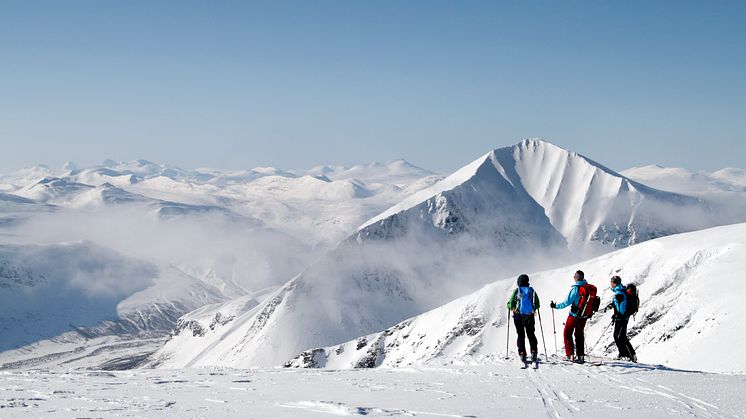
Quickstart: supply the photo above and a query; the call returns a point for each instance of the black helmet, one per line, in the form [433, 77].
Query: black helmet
[616, 279]
[523, 280]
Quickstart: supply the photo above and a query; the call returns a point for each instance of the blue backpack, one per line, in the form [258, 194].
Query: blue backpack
[525, 297]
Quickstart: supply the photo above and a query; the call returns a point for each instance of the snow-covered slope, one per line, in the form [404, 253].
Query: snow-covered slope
[690, 285]
[491, 218]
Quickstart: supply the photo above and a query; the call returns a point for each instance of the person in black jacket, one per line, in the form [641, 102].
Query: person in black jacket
[523, 303]
[621, 319]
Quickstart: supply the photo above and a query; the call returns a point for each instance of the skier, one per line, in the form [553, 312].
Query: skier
[583, 302]
[523, 303]
[622, 310]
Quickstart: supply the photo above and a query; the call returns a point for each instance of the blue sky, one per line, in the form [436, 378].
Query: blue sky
[295, 84]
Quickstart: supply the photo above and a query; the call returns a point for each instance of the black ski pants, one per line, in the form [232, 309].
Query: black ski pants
[620, 338]
[524, 325]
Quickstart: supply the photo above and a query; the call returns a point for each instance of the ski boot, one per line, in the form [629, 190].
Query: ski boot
[525, 361]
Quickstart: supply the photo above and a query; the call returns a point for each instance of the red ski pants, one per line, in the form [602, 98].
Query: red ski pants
[575, 326]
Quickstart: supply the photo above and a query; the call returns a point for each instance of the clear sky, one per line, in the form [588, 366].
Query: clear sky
[295, 84]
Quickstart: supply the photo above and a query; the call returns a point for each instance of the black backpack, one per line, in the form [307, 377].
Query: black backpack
[633, 300]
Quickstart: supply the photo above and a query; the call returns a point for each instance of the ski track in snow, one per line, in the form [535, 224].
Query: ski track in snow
[610, 390]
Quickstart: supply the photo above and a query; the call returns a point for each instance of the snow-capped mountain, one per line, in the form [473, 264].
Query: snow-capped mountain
[515, 208]
[582, 200]
[690, 315]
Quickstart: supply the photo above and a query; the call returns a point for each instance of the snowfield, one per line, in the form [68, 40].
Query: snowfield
[495, 389]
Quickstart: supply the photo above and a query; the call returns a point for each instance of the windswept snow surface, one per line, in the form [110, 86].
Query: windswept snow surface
[691, 289]
[614, 390]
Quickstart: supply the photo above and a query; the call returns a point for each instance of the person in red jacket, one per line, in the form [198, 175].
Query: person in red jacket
[575, 324]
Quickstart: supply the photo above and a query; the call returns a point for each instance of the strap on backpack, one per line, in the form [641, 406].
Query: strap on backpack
[587, 300]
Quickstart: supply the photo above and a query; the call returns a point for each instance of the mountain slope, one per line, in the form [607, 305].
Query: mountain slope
[690, 287]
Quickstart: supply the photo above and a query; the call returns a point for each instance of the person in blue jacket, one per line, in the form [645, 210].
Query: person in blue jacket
[575, 324]
[621, 320]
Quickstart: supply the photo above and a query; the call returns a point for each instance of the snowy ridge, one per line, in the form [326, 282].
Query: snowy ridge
[690, 288]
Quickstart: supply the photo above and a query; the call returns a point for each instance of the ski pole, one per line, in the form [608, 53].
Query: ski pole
[542, 335]
[602, 335]
[554, 330]
[507, 338]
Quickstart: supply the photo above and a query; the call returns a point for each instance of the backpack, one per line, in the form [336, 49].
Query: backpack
[525, 301]
[633, 300]
[589, 302]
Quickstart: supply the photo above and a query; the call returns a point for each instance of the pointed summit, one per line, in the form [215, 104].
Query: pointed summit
[583, 200]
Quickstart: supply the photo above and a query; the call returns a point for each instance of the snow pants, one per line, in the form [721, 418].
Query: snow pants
[524, 325]
[620, 338]
[575, 326]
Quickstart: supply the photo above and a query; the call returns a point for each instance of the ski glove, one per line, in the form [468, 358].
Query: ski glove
[552, 305]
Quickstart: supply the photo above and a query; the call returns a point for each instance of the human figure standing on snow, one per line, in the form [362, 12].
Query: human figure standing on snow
[523, 303]
[623, 308]
[583, 302]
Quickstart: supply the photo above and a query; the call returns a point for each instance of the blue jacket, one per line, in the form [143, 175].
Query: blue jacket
[620, 301]
[573, 298]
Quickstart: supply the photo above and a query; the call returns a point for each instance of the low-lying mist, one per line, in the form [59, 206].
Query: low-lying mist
[223, 250]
